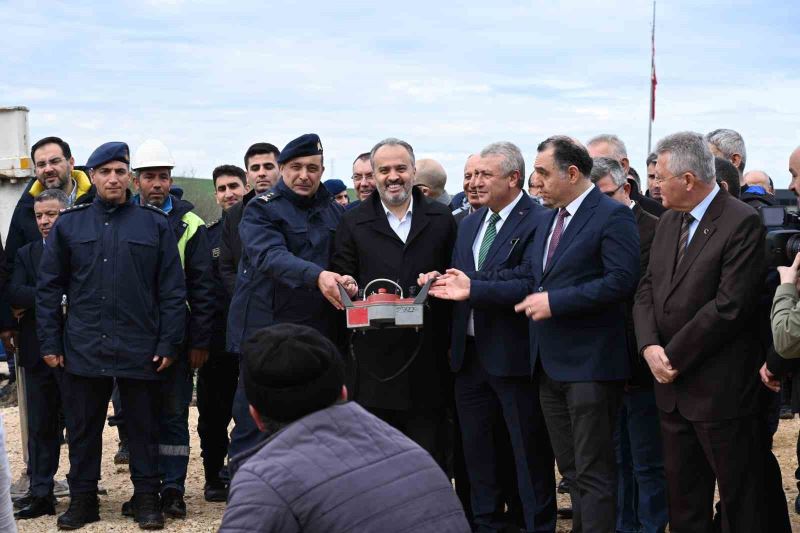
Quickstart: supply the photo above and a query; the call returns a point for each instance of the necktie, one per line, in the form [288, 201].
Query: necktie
[488, 239]
[684, 238]
[559, 229]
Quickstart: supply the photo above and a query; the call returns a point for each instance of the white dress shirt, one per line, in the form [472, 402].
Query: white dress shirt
[700, 210]
[401, 226]
[476, 245]
[571, 208]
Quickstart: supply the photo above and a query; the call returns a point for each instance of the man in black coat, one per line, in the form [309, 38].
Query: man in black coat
[217, 379]
[43, 389]
[54, 168]
[261, 166]
[396, 234]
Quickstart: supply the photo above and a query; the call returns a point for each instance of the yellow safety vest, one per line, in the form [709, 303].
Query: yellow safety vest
[192, 222]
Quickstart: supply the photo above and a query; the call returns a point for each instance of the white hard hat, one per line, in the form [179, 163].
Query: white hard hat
[152, 153]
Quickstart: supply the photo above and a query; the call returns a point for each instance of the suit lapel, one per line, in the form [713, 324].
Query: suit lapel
[419, 221]
[36, 254]
[471, 226]
[705, 229]
[580, 218]
[541, 240]
[511, 223]
[672, 251]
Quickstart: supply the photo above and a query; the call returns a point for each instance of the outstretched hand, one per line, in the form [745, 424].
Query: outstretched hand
[454, 285]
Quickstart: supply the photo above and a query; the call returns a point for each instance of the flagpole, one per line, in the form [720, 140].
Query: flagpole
[652, 111]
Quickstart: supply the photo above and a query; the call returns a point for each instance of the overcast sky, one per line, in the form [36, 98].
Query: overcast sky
[210, 78]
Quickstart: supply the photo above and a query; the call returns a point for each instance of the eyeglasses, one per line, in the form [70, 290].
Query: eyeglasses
[659, 180]
[53, 162]
[611, 194]
[360, 177]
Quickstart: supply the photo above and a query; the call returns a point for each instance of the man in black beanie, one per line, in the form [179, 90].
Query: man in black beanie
[330, 464]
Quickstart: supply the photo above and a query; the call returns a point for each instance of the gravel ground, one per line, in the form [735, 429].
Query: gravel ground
[204, 516]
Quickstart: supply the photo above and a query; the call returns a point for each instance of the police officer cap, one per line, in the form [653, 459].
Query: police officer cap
[111, 151]
[291, 371]
[335, 186]
[307, 144]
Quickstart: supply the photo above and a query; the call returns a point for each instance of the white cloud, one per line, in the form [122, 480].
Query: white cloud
[210, 77]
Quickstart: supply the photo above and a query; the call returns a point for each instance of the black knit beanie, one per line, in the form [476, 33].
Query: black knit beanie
[291, 371]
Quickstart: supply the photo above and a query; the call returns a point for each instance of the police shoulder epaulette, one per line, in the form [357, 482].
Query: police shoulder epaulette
[266, 198]
[212, 224]
[154, 208]
[74, 208]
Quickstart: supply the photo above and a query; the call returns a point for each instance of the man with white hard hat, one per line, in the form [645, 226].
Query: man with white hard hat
[152, 165]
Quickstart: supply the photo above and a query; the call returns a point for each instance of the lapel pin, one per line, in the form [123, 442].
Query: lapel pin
[705, 231]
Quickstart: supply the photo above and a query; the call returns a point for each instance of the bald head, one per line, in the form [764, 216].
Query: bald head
[608, 145]
[431, 176]
[758, 178]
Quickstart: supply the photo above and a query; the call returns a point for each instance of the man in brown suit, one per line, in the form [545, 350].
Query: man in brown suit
[694, 327]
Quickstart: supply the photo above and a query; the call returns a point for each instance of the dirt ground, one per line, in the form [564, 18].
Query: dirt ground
[204, 516]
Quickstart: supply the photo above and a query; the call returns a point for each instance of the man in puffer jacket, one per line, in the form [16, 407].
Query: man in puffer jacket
[330, 466]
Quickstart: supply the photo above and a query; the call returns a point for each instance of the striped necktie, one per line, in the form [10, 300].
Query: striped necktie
[683, 241]
[488, 239]
[557, 231]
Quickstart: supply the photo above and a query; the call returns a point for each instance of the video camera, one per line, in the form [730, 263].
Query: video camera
[783, 234]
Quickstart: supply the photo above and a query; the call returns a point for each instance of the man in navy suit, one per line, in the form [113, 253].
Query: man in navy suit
[585, 265]
[490, 347]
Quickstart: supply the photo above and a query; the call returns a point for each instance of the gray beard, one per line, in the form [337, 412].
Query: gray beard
[398, 200]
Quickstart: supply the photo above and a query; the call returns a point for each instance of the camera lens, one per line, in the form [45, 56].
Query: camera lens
[792, 248]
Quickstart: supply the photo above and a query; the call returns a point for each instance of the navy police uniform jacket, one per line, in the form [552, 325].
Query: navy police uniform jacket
[22, 295]
[221, 298]
[287, 241]
[23, 230]
[120, 269]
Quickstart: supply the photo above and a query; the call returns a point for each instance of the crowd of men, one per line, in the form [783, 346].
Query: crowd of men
[573, 321]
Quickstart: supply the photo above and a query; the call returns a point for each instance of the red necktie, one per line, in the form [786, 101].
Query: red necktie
[562, 215]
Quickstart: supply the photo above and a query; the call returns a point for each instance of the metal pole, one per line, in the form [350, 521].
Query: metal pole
[651, 112]
[22, 402]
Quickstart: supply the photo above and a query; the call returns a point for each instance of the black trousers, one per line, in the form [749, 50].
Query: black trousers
[86, 404]
[216, 386]
[423, 426]
[581, 417]
[43, 394]
[698, 454]
[485, 402]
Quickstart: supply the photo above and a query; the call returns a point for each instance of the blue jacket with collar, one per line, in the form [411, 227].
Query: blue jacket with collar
[120, 269]
[287, 241]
